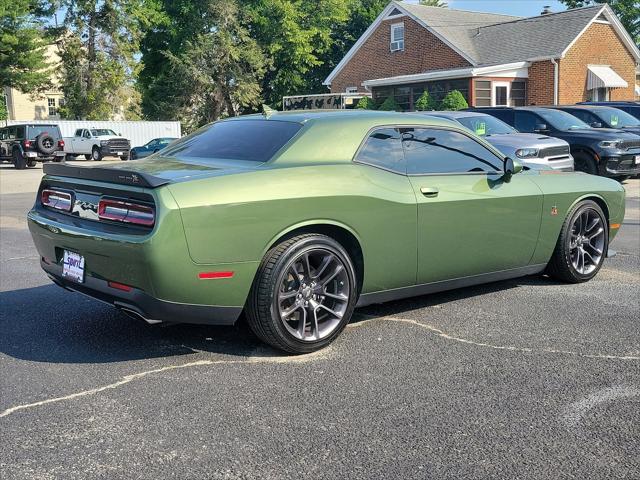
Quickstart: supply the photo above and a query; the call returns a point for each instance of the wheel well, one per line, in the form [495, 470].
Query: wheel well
[343, 236]
[602, 204]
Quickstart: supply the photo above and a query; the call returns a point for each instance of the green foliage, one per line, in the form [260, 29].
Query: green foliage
[389, 105]
[454, 100]
[426, 102]
[3, 107]
[98, 52]
[434, 3]
[627, 10]
[366, 103]
[23, 63]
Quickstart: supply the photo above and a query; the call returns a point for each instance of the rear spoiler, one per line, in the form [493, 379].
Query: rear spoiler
[102, 174]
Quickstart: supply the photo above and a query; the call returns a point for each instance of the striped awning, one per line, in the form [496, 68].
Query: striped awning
[603, 76]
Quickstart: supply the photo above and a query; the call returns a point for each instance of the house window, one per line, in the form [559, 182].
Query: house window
[397, 37]
[351, 90]
[51, 102]
[518, 94]
[599, 94]
[483, 93]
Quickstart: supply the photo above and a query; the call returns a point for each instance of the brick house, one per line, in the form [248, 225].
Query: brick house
[554, 58]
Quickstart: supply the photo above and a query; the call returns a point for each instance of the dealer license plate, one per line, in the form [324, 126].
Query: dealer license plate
[73, 266]
[637, 159]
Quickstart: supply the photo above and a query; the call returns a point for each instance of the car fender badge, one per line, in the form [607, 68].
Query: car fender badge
[554, 210]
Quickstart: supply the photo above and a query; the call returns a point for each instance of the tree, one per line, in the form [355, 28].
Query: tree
[627, 10]
[3, 107]
[434, 3]
[98, 52]
[454, 100]
[366, 103]
[389, 105]
[23, 42]
[425, 102]
[296, 36]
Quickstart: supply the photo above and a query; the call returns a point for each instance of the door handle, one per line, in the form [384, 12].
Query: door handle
[429, 191]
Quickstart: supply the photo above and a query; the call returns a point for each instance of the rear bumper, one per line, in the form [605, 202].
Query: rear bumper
[140, 304]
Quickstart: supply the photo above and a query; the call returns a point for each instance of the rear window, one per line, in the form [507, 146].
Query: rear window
[247, 140]
[35, 130]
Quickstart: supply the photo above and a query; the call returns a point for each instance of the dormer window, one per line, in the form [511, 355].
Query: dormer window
[397, 37]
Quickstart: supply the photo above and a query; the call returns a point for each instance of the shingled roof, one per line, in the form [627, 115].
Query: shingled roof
[486, 39]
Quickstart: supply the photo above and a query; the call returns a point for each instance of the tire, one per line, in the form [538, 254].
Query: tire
[68, 157]
[313, 293]
[124, 158]
[19, 161]
[566, 253]
[87, 156]
[622, 178]
[45, 144]
[133, 156]
[32, 163]
[583, 162]
[96, 154]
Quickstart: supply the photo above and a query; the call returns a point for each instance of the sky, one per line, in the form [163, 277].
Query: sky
[520, 8]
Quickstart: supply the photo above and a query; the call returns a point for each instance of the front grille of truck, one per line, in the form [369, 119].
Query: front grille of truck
[119, 143]
[630, 144]
[562, 150]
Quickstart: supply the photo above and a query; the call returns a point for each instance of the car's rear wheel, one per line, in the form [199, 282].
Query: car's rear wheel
[133, 155]
[582, 244]
[87, 156]
[303, 295]
[32, 163]
[583, 162]
[19, 160]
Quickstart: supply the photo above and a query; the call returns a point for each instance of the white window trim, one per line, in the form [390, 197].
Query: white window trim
[395, 26]
[351, 90]
[493, 93]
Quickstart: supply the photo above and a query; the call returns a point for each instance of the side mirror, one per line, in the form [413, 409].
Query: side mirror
[541, 128]
[596, 124]
[511, 167]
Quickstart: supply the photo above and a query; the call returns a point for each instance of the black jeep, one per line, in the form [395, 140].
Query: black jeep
[25, 145]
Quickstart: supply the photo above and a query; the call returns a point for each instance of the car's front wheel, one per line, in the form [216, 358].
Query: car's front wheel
[303, 295]
[582, 244]
[96, 154]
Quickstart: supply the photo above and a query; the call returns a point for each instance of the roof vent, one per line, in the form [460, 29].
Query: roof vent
[546, 10]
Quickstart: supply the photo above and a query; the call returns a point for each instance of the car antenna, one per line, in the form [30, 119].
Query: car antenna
[267, 111]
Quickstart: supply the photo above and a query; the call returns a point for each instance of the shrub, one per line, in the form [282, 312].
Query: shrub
[454, 100]
[389, 105]
[425, 102]
[366, 103]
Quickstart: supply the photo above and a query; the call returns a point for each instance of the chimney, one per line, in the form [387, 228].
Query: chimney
[546, 10]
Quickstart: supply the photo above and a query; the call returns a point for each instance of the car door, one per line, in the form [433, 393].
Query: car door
[471, 218]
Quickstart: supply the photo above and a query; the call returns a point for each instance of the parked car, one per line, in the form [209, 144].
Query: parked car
[149, 148]
[598, 116]
[632, 108]
[96, 143]
[533, 150]
[299, 217]
[25, 145]
[606, 152]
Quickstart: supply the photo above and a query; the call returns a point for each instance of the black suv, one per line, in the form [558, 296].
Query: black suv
[632, 108]
[25, 145]
[599, 151]
[599, 116]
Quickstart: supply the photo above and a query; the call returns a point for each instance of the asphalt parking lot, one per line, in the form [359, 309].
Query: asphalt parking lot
[519, 379]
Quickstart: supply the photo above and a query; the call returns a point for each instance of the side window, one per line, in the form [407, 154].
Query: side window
[11, 133]
[3, 134]
[383, 149]
[78, 133]
[431, 151]
[526, 122]
[20, 132]
[585, 116]
[87, 134]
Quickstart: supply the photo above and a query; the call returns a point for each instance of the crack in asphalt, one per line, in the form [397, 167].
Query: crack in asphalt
[306, 358]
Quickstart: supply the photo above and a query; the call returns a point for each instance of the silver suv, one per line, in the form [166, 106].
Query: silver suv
[531, 149]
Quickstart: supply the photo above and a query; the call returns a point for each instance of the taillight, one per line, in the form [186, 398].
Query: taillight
[126, 212]
[26, 143]
[56, 199]
[61, 143]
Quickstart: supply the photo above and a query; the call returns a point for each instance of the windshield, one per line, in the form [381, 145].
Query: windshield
[561, 120]
[616, 118]
[486, 125]
[248, 140]
[98, 132]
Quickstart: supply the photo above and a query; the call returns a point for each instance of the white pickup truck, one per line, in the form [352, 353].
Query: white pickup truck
[96, 143]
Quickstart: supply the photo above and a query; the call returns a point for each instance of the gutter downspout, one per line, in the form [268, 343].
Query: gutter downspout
[555, 81]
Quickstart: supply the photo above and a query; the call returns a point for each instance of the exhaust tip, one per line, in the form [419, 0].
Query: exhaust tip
[137, 316]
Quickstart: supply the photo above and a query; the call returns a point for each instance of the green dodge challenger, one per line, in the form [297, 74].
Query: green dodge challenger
[297, 218]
